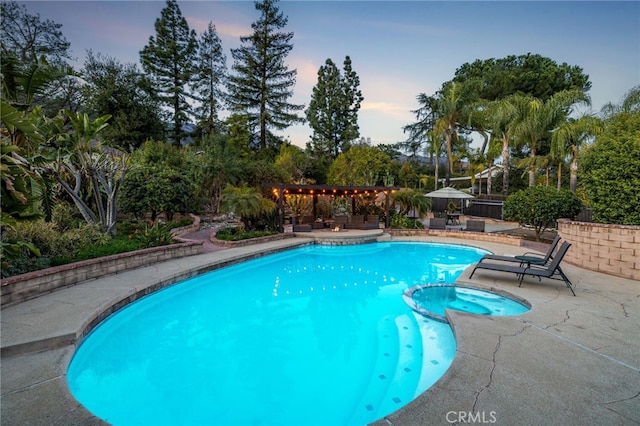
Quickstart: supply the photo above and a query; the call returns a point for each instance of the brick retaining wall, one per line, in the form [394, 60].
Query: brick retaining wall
[27, 286]
[249, 241]
[455, 233]
[612, 249]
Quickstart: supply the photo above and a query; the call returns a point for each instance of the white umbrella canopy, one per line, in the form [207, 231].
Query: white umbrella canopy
[448, 192]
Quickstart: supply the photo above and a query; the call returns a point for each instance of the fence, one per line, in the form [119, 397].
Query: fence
[480, 207]
[485, 208]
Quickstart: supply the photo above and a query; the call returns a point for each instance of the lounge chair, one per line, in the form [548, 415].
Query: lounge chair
[355, 222]
[340, 221]
[372, 222]
[303, 226]
[438, 223]
[475, 226]
[527, 258]
[552, 270]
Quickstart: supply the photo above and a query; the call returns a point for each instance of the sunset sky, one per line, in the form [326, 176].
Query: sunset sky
[399, 49]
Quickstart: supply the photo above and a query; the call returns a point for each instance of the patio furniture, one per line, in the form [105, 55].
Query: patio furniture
[355, 222]
[453, 218]
[438, 223]
[475, 226]
[551, 271]
[305, 224]
[372, 221]
[340, 221]
[359, 222]
[527, 258]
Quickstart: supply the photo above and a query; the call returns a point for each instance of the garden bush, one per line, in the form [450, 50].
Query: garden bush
[541, 206]
[239, 233]
[83, 242]
[610, 172]
[397, 220]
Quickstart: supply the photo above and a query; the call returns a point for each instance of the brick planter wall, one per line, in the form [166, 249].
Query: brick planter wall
[249, 241]
[195, 226]
[455, 233]
[27, 286]
[612, 249]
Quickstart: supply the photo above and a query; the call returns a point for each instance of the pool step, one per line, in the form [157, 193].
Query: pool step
[384, 366]
[396, 371]
[403, 383]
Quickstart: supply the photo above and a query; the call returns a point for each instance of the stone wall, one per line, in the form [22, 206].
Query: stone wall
[455, 233]
[195, 226]
[612, 249]
[27, 286]
[249, 241]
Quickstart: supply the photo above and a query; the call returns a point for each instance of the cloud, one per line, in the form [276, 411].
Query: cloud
[307, 71]
[224, 30]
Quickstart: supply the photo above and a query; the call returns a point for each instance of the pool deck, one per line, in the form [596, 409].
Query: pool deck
[570, 360]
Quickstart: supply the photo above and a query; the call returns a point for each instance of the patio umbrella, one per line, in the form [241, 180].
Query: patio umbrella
[449, 193]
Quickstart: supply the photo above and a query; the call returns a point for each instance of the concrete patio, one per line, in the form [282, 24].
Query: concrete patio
[570, 360]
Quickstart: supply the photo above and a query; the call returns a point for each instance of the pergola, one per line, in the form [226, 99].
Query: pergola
[281, 190]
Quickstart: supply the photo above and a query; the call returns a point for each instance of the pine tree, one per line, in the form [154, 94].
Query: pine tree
[211, 75]
[333, 110]
[169, 59]
[262, 83]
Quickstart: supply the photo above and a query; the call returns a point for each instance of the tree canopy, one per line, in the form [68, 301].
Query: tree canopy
[610, 171]
[360, 165]
[211, 76]
[529, 74]
[262, 83]
[333, 109]
[122, 92]
[28, 38]
[169, 60]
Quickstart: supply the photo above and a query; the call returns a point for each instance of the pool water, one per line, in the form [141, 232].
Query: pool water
[432, 301]
[315, 335]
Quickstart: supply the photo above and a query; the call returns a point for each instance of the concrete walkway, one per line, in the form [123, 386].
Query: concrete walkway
[570, 360]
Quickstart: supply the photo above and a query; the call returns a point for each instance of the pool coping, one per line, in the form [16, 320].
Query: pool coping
[34, 388]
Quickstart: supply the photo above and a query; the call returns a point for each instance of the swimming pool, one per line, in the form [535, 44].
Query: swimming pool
[315, 335]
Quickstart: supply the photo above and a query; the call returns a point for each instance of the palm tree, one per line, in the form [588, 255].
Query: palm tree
[541, 118]
[245, 202]
[569, 139]
[453, 107]
[412, 199]
[504, 115]
[630, 103]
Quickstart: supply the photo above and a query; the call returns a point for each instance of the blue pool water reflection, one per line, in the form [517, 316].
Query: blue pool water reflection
[316, 335]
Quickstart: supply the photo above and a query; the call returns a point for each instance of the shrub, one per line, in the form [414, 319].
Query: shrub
[64, 218]
[610, 172]
[37, 232]
[239, 233]
[55, 247]
[541, 206]
[69, 243]
[115, 246]
[153, 236]
[401, 221]
[156, 189]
